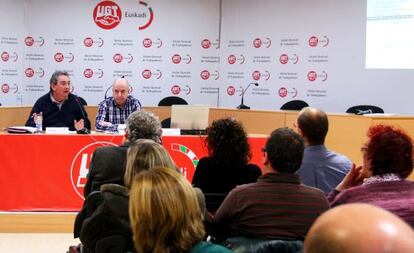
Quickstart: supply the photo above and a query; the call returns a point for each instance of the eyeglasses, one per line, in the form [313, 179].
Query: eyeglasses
[364, 149]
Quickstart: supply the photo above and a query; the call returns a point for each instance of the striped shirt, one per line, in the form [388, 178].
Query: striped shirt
[108, 111]
[277, 206]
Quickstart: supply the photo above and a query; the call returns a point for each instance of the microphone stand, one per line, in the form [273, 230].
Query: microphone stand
[242, 105]
[218, 97]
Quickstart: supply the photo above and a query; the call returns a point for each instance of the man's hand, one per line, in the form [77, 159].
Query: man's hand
[79, 125]
[105, 123]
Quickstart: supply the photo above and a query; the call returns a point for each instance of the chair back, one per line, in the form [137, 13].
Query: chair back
[364, 109]
[166, 123]
[294, 105]
[172, 100]
[213, 201]
[253, 245]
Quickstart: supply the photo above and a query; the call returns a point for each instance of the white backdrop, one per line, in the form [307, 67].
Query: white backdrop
[205, 51]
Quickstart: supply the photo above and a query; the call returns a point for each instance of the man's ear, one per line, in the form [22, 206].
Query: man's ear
[126, 134]
[266, 159]
[299, 131]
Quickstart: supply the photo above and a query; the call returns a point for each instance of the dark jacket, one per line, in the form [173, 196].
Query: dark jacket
[71, 110]
[104, 214]
[107, 166]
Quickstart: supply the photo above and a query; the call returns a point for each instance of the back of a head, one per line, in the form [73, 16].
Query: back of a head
[284, 150]
[389, 150]
[143, 125]
[359, 228]
[314, 124]
[144, 154]
[227, 142]
[164, 212]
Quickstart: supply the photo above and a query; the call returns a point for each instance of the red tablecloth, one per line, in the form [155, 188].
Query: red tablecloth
[48, 172]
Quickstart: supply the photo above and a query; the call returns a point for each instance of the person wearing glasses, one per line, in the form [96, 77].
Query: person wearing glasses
[382, 178]
[277, 206]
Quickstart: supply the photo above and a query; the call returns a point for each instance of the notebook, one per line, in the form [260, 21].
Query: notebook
[191, 119]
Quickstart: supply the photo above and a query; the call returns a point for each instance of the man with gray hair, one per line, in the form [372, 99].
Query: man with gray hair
[108, 163]
[60, 108]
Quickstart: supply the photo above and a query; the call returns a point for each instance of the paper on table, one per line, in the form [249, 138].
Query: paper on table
[21, 130]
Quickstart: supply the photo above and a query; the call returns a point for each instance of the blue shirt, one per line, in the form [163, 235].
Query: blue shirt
[322, 168]
[109, 111]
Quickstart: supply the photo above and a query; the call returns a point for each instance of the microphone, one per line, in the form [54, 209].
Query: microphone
[242, 105]
[362, 112]
[218, 97]
[84, 130]
[106, 92]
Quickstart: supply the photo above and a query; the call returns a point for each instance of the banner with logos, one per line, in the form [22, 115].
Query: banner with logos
[44, 179]
[207, 52]
[161, 47]
[312, 51]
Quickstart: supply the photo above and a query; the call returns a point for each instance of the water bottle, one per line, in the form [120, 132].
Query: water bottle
[19, 99]
[38, 121]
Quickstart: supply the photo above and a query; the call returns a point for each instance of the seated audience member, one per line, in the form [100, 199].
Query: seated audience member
[114, 110]
[60, 108]
[228, 162]
[359, 228]
[277, 206]
[381, 180]
[110, 216]
[165, 214]
[321, 168]
[108, 163]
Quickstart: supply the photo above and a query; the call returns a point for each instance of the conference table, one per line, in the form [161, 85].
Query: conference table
[42, 172]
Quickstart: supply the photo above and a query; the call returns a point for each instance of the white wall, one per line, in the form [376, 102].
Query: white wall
[283, 26]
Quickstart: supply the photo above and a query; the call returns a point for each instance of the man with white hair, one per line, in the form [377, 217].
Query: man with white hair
[108, 163]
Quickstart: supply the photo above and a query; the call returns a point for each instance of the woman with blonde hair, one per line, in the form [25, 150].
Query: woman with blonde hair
[165, 214]
[143, 155]
[110, 215]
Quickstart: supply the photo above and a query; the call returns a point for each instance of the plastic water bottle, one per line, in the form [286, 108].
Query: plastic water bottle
[19, 99]
[38, 119]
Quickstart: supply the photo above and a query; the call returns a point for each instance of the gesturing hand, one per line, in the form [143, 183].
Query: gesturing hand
[353, 178]
[79, 125]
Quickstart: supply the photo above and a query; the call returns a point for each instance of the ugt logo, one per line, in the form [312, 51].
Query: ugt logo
[148, 16]
[80, 166]
[107, 15]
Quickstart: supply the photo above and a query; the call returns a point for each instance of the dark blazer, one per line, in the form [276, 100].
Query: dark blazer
[71, 110]
[107, 166]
